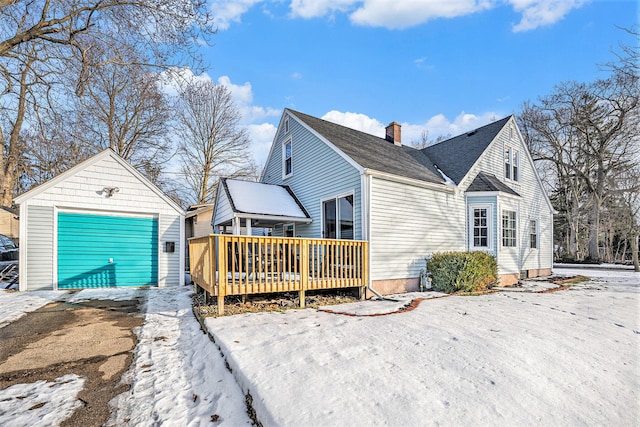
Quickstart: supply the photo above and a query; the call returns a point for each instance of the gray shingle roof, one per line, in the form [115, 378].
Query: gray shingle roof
[454, 157]
[489, 182]
[375, 153]
[457, 155]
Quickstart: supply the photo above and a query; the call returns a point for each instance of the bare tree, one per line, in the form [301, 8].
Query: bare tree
[213, 144]
[124, 109]
[425, 142]
[42, 40]
[589, 133]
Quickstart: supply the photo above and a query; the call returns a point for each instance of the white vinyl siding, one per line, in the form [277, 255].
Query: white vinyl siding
[169, 271]
[410, 223]
[320, 173]
[222, 211]
[38, 247]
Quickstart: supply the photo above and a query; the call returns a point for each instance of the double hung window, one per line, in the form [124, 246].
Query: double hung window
[287, 157]
[508, 228]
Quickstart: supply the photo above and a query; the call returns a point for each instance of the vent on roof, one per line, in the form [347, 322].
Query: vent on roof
[473, 132]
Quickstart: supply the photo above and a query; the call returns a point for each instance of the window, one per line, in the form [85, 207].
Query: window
[287, 166]
[507, 163]
[480, 226]
[508, 228]
[533, 234]
[289, 230]
[338, 218]
[511, 164]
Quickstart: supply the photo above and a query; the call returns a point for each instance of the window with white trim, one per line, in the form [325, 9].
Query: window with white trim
[509, 228]
[287, 157]
[533, 234]
[480, 229]
[511, 164]
[507, 163]
[337, 218]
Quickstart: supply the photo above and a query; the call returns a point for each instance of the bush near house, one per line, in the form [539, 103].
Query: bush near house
[462, 271]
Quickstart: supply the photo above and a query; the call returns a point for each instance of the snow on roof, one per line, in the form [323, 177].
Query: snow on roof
[265, 199]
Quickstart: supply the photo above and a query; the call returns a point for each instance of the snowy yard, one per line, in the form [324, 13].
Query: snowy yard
[509, 358]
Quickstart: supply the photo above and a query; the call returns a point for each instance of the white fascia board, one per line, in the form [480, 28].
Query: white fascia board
[410, 181]
[182, 251]
[22, 250]
[273, 143]
[341, 153]
[491, 194]
[282, 219]
[217, 202]
[481, 194]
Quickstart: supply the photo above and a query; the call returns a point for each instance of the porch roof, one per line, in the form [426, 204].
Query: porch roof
[264, 204]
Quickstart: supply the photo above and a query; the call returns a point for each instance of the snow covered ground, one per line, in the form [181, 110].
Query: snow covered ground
[510, 358]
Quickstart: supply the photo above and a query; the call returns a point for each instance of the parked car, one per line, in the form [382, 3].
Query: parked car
[8, 250]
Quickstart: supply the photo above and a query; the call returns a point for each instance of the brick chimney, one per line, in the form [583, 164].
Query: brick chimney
[393, 133]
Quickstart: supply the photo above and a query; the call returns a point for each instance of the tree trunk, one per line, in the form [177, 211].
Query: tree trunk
[634, 251]
[11, 154]
[594, 232]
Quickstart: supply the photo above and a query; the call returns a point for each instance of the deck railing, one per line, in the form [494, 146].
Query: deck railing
[243, 265]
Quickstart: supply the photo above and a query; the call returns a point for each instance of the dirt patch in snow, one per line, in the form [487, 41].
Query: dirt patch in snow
[269, 302]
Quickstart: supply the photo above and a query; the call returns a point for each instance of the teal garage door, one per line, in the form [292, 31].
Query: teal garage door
[99, 251]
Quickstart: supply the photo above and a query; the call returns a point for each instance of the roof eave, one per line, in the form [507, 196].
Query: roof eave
[447, 187]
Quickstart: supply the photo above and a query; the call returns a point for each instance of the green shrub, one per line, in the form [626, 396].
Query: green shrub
[462, 271]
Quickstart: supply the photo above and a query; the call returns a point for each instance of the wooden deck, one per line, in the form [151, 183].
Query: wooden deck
[243, 265]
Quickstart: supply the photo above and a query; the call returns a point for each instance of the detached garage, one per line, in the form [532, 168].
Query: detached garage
[100, 224]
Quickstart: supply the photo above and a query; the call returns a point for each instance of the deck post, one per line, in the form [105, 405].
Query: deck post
[365, 267]
[222, 272]
[304, 270]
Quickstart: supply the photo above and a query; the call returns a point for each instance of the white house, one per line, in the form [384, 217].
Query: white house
[476, 191]
[100, 224]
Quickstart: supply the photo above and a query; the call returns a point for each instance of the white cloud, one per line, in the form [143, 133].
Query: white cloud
[261, 136]
[225, 12]
[296, 75]
[438, 125]
[357, 121]
[243, 98]
[173, 79]
[538, 13]
[394, 14]
[318, 8]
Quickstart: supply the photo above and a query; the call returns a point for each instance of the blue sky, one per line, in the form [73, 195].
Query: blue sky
[442, 66]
